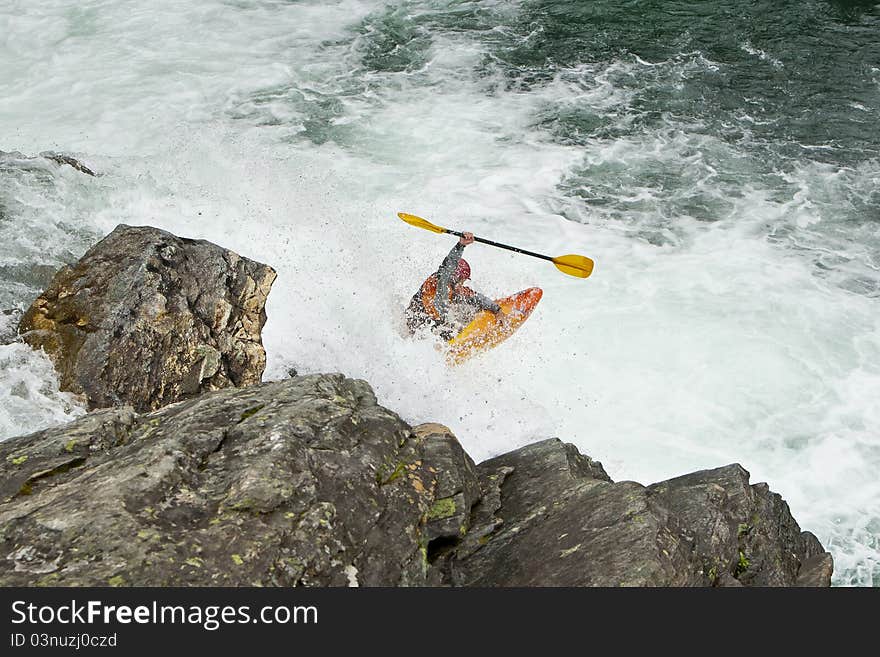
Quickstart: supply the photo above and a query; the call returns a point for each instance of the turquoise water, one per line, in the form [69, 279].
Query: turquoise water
[719, 161]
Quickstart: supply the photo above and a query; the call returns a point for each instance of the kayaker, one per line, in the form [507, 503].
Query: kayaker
[444, 302]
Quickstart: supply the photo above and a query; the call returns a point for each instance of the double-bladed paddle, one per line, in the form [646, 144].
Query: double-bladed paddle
[573, 265]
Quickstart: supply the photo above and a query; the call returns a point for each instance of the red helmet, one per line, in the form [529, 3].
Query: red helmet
[462, 270]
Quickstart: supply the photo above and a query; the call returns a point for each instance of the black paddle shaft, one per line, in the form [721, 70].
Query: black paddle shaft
[503, 246]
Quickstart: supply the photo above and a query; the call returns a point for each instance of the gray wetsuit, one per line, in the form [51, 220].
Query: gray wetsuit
[450, 322]
[444, 279]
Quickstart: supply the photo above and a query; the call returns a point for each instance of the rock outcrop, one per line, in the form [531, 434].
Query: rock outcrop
[560, 520]
[15, 157]
[301, 482]
[309, 481]
[146, 318]
[743, 535]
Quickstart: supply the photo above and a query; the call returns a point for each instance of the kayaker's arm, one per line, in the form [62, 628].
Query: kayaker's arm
[444, 278]
[483, 302]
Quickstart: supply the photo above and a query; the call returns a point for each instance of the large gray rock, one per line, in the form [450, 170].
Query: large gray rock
[743, 532]
[309, 482]
[564, 523]
[146, 318]
[555, 518]
[302, 482]
[457, 488]
[456, 492]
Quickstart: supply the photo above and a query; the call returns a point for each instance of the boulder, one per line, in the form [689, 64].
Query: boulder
[557, 519]
[146, 318]
[743, 531]
[306, 481]
[561, 521]
[456, 492]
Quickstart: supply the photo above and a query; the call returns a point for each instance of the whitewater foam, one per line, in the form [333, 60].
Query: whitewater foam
[29, 395]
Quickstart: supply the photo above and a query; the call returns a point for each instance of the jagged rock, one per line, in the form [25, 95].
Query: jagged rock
[816, 571]
[560, 520]
[306, 481]
[61, 158]
[146, 318]
[16, 157]
[564, 523]
[456, 492]
[742, 531]
[457, 487]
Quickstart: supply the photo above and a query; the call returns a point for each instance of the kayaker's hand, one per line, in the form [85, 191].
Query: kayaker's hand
[466, 238]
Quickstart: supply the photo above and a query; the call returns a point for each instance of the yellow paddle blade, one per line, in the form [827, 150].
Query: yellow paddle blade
[420, 223]
[574, 265]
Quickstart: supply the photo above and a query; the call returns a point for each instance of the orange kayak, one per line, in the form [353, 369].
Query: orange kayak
[486, 331]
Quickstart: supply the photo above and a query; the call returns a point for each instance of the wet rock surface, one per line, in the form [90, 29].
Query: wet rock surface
[308, 481]
[20, 160]
[146, 318]
[743, 531]
[301, 482]
[560, 520]
[563, 522]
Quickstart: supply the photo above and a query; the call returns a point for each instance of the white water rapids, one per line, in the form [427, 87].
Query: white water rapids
[204, 118]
